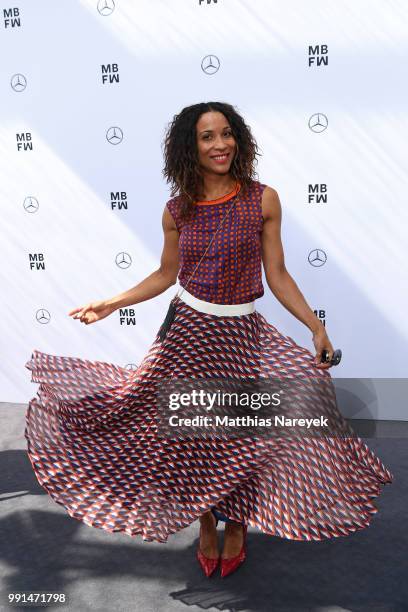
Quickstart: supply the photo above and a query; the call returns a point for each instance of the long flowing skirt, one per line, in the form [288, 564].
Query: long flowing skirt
[94, 441]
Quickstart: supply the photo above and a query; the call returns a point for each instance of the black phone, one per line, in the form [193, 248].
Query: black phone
[336, 358]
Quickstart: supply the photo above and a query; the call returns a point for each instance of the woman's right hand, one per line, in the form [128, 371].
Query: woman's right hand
[95, 311]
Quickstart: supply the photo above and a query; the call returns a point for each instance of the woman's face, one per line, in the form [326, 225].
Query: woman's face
[215, 142]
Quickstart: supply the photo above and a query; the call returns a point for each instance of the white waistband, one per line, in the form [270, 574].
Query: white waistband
[221, 310]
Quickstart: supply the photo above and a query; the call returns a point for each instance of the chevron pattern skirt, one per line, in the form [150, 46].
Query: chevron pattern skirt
[93, 441]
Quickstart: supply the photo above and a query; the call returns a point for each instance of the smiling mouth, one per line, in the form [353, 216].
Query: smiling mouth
[220, 158]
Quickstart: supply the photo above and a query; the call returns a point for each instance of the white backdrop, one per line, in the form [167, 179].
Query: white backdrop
[336, 119]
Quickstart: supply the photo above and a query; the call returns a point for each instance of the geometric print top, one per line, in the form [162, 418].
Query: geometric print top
[231, 271]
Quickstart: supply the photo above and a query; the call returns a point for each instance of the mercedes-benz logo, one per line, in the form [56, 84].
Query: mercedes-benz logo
[31, 204]
[123, 260]
[318, 122]
[18, 82]
[317, 258]
[210, 64]
[106, 7]
[43, 316]
[114, 135]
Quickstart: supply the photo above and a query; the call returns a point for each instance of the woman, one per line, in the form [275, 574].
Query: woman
[93, 430]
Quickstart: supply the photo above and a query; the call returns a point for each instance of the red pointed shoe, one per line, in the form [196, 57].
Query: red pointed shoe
[208, 565]
[230, 565]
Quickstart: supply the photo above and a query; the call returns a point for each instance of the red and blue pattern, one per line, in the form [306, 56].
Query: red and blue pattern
[231, 270]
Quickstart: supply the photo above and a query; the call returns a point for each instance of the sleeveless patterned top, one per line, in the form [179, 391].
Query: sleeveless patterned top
[231, 271]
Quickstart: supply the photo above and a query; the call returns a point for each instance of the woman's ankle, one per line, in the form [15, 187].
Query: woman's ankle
[208, 536]
[207, 518]
[233, 539]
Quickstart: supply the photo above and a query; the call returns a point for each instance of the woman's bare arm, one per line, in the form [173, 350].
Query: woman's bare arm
[279, 280]
[154, 284]
[162, 278]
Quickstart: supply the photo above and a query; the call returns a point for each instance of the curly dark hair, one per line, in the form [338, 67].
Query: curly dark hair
[181, 167]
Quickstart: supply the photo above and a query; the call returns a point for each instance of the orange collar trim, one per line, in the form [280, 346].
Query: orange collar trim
[223, 198]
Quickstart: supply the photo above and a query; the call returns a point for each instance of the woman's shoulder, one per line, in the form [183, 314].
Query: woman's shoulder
[265, 198]
[174, 205]
[173, 202]
[258, 189]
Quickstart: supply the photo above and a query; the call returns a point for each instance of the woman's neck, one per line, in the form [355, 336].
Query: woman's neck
[216, 187]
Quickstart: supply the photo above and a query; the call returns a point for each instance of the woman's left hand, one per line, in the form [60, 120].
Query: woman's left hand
[321, 342]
